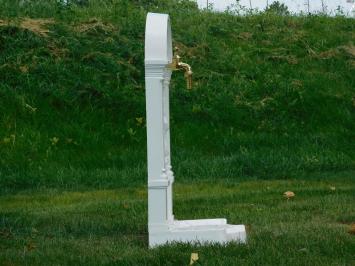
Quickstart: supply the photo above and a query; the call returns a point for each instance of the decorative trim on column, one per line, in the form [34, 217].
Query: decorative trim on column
[163, 182]
[155, 71]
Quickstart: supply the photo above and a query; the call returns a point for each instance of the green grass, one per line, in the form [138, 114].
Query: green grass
[108, 227]
[273, 105]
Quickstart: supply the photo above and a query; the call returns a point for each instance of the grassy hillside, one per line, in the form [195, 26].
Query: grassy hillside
[273, 96]
[272, 109]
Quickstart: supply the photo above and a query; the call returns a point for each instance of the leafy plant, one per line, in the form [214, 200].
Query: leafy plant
[278, 8]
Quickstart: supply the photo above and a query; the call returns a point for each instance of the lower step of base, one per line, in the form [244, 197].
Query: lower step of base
[198, 231]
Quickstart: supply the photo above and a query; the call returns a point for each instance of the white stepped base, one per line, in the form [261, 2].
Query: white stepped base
[198, 231]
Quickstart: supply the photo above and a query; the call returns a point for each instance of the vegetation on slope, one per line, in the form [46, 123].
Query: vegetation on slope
[273, 95]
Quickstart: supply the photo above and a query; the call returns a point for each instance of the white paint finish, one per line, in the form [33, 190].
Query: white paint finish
[158, 39]
[204, 231]
[161, 224]
[158, 53]
[155, 130]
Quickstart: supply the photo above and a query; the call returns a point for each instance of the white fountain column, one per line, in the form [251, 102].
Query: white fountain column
[158, 54]
[162, 226]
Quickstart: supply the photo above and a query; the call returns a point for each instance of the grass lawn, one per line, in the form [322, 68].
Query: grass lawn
[109, 227]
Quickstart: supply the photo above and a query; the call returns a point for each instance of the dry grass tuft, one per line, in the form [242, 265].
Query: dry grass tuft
[24, 69]
[349, 49]
[95, 26]
[37, 26]
[331, 53]
[56, 51]
[352, 229]
[327, 54]
[245, 36]
[3, 22]
[93, 55]
[290, 59]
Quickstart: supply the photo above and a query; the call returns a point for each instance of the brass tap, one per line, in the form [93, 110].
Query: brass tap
[177, 65]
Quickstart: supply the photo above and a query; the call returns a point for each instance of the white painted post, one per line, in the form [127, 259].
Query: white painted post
[161, 224]
[158, 53]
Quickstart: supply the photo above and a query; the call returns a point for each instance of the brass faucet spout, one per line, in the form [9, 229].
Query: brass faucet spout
[177, 65]
[188, 74]
[184, 66]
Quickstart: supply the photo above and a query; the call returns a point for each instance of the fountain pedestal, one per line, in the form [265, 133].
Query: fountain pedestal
[162, 226]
